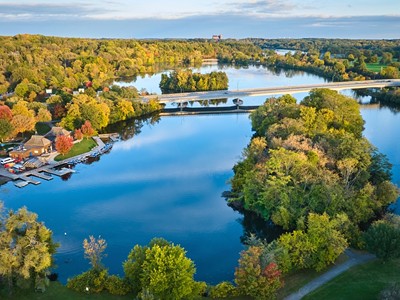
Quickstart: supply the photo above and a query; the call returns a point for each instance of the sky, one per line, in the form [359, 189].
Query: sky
[369, 19]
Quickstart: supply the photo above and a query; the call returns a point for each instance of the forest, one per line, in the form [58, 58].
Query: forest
[308, 170]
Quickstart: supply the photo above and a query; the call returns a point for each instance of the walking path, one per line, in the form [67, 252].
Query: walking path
[354, 259]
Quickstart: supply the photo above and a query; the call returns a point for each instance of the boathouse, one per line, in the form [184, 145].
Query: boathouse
[55, 132]
[36, 146]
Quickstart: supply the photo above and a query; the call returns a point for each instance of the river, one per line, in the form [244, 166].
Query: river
[167, 182]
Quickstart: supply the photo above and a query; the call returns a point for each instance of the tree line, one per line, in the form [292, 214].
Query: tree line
[187, 81]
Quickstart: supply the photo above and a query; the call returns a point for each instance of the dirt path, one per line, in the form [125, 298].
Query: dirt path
[354, 259]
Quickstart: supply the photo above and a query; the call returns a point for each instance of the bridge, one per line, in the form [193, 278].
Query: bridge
[346, 85]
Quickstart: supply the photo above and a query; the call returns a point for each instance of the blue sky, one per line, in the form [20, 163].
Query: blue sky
[203, 18]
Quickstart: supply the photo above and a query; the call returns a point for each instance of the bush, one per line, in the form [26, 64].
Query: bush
[117, 286]
[223, 290]
[383, 239]
[92, 281]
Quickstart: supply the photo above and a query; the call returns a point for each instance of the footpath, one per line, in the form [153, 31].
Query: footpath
[354, 259]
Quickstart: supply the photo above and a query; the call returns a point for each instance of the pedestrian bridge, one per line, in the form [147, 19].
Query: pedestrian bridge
[346, 85]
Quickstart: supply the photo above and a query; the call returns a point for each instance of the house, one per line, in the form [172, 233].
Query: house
[36, 146]
[217, 38]
[55, 132]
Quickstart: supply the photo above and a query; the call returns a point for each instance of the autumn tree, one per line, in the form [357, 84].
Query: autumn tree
[255, 279]
[5, 113]
[78, 134]
[64, 144]
[43, 115]
[87, 129]
[94, 251]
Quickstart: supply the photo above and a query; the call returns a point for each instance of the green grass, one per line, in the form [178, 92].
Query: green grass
[294, 281]
[375, 67]
[361, 282]
[42, 128]
[82, 147]
[60, 292]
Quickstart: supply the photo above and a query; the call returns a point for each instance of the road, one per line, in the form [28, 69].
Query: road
[346, 85]
[354, 259]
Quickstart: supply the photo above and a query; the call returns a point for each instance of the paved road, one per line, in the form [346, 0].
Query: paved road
[196, 96]
[354, 259]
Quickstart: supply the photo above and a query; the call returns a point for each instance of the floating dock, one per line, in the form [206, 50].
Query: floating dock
[60, 173]
[21, 184]
[41, 175]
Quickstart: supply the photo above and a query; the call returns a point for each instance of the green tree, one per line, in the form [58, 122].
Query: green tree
[317, 246]
[161, 270]
[6, 129]
[383, 239]
[26, 247]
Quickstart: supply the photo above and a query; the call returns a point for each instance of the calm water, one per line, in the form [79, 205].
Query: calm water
[167, 182]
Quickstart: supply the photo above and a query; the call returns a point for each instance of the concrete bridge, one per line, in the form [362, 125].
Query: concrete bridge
[346, 85]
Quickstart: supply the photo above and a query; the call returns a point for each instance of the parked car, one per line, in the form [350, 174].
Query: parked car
[7, 160]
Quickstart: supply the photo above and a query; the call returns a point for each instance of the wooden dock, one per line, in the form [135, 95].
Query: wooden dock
[29, 180]
[60, 173]
[21, 184]
[41, 175]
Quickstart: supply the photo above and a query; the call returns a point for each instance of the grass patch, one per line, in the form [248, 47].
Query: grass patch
[60, 292]
[364, 282]
[375, 67]
[294, 281]
[42, 128]
[79, 148]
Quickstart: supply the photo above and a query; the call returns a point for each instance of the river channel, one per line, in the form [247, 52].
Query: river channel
[167, 181]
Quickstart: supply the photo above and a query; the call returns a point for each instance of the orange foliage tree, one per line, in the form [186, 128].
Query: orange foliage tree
[64, 144]
[87, 129]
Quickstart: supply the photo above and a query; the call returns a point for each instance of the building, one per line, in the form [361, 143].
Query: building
[217, 38]
[36, 146]
[55, 132]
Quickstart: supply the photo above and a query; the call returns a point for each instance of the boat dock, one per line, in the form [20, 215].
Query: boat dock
[25, 179]
[41, 175]
[60, 173]
[56, 168]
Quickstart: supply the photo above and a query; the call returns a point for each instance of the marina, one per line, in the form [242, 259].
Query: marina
[60, 168]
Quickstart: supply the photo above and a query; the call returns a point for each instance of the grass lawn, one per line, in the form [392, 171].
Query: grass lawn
[42, 128]
[293, 282]
[60, 292]
[360, 282]
[79, 148]
[375, 67]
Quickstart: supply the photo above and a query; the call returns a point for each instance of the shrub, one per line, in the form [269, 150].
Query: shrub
[92, 281]
[117, 286]
[223, 290]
